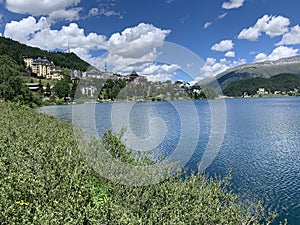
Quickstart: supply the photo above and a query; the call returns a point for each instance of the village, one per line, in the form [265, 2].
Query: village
[45, 76]
[263, 92]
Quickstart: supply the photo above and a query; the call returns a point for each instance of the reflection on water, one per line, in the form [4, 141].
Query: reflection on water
[261, 145]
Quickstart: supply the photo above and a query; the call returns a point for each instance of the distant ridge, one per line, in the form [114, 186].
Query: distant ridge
[267, 69]
[282, 61]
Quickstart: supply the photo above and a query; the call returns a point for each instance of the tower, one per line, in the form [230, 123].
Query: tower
[105, 67]
[68, 47]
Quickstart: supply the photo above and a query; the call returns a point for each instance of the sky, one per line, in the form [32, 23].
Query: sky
[160, 39]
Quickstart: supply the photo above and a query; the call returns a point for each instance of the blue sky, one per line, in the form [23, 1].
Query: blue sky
[129, 34]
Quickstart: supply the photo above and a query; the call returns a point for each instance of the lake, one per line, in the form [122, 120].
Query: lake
[258, 139]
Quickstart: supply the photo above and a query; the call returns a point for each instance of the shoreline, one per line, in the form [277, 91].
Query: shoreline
[161, 100]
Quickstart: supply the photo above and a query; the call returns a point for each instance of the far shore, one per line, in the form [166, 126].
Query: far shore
[159, 100]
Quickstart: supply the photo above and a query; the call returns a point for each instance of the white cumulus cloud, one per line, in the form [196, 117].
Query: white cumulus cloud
[260, 57]
[62, 14]
[164, 72]
[41, 7]
[25, 29]
[212, 67]
[135, 44]
[55, 10]
[271, 25]
[223, 46]
[230, 54]
[133, 48]
[292, 37]
[39, 34]
[233, 4]
[277, 53]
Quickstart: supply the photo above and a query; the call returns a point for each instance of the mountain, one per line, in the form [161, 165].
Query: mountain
[17, 51]
[265, 69]
[282, 83]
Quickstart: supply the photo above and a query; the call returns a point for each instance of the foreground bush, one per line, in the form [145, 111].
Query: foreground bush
[45, 180]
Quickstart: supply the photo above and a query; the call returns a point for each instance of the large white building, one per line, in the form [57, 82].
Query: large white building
[90, 91]
[43, 68]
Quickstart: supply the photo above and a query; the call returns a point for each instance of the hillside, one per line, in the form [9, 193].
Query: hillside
[17, 51]
[264, 70]
[12, 86]
[281, 83]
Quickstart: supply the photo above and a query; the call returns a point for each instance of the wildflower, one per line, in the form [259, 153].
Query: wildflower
[22, 202]
[55, 202]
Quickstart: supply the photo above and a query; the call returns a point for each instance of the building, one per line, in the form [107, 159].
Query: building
[89, 91]
[277, 92]
[35, 87]
[135, 78]
[54, 75]
[76, 74]
[43, 68]
[28, 62]
[245, 95]
[96, 74]
[196, 91]
[262, 91]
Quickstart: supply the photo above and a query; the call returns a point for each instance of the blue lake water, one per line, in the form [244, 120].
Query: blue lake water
[260, 140]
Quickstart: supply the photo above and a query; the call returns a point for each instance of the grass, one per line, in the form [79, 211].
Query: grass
[45, 180]
[37, 80]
